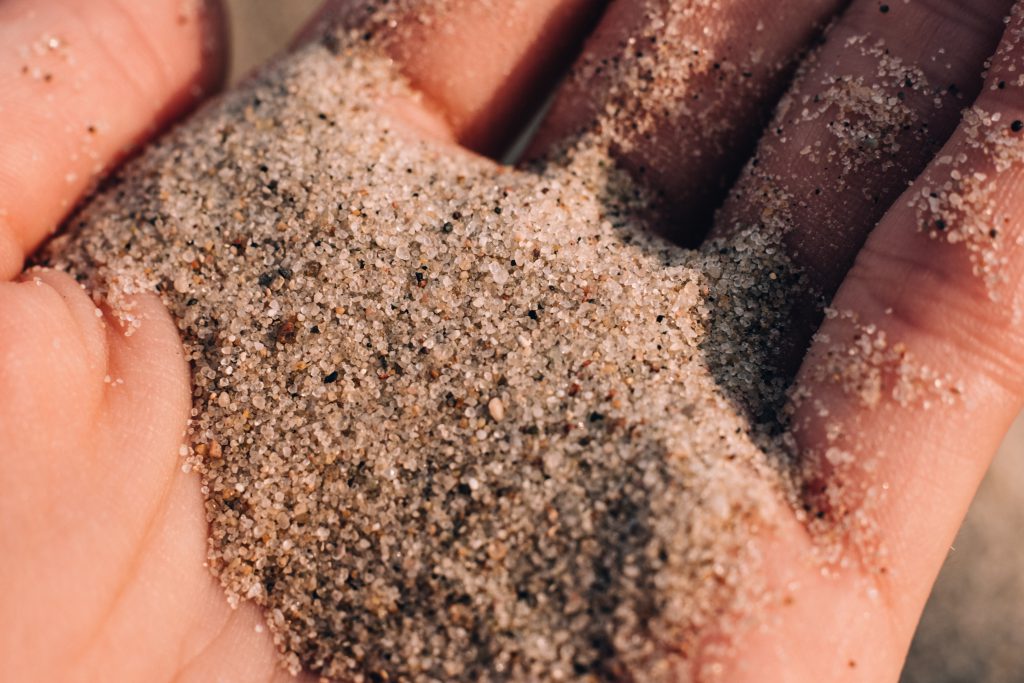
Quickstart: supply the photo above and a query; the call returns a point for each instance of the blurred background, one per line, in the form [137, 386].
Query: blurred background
[973, 628]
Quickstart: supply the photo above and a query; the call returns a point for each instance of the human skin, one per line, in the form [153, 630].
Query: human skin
[103, 536]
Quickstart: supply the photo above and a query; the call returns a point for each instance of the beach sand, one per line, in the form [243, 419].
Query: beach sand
[438, 402]
[971, 629]
[453, 420]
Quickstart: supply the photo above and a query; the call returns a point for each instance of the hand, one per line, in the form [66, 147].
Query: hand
[103, 535]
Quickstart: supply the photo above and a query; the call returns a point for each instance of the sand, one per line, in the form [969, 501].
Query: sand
[454, 420]
[970, 629]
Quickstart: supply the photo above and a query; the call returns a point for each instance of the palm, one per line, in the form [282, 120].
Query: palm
[108, 533]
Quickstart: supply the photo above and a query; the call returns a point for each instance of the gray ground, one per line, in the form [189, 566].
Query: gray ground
[973, 628]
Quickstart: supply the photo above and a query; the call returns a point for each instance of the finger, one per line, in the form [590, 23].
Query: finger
[910, 386]
[481, 67]
[83, 83]
[864, 117]
[680, 90]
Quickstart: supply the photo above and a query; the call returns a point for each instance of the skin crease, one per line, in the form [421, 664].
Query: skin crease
[103, 535]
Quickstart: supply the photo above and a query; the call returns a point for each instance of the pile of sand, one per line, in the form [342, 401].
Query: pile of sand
[453, 420]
